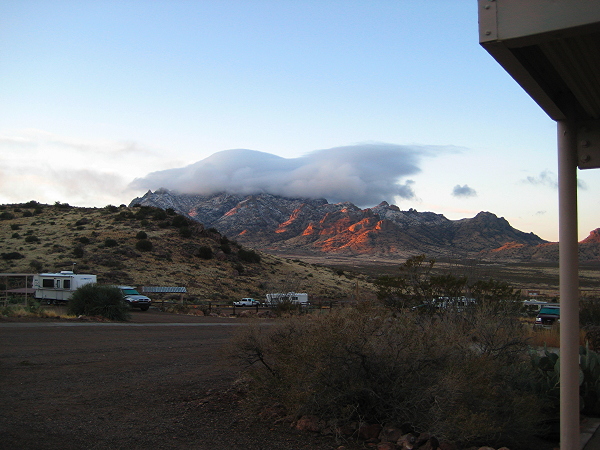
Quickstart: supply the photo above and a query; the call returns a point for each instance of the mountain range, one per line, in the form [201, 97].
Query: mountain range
[313, 226]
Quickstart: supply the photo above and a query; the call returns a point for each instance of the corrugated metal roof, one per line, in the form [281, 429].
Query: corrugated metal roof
[164, 289]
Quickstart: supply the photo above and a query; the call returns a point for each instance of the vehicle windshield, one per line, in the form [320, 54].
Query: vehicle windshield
[130, 292]
[546, 310]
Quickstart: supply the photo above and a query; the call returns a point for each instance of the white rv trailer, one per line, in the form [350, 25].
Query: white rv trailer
[58, 287]
[291, 297]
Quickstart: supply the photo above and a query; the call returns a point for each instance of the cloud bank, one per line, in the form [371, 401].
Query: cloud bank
[363, 174]
[46, 167]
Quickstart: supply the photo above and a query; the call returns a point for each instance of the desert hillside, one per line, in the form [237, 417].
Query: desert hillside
[146, 246]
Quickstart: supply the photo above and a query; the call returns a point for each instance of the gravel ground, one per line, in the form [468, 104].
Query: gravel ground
[149, 384]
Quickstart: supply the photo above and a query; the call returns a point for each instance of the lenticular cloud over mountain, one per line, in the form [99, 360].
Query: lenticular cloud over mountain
[363, 174]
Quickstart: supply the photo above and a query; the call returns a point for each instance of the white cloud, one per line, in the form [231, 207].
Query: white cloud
[463, 191]
[549, 179]
[546, 178]
[364, 174]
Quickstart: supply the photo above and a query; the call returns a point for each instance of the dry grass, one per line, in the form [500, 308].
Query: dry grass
[171, 262]
[549, 337]
[23, 311]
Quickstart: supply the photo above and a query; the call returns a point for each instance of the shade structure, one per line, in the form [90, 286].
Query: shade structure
[552, 50]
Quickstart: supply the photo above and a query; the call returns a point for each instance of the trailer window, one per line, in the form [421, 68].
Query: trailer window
[47, 283]
[57, 284]
[67, 284]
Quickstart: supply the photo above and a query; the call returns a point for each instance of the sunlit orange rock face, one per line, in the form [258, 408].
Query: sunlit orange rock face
[314, 226]
[283, 227]
[593, 238]
[508, 246]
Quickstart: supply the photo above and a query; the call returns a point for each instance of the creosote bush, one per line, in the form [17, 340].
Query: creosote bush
[464, 379]
[108, 242]
[97, 300]
[143, 245]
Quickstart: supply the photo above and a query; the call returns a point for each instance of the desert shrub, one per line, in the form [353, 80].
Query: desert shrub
[78, 251]
[185, 232]
[124, 215]
[159, 214]
[205, 252]
[6, 216]
[97, 300]
[32, 238]
[62, 206]
[36, 265]
[249, 256]
[82, 221]
[417, 286]
[141, 235]
[589, 312]
[84, 240]
[12, 255]
[446, 377]
[16, 236]
[143, 212]
[226, 248]
[111, 208]
[15, 226]
[108, 242]
[27, 214]
[180, 221]
[143, 245]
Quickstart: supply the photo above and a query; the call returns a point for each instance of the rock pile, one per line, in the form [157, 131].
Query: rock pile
[378, 437]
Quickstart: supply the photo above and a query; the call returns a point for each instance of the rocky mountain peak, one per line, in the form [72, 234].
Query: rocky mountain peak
[273, 223]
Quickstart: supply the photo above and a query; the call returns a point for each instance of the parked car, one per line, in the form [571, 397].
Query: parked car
[247, 302]
[548, 316]
[134, 298]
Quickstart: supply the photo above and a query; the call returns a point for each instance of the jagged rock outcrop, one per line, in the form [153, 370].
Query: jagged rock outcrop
[300, 225]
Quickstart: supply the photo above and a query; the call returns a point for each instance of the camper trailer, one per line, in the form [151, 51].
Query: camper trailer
[291, 297]
[58, 287]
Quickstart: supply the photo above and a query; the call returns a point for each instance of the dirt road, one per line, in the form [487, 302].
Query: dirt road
[160, 382]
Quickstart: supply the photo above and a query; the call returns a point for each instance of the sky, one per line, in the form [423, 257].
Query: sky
[360, 101]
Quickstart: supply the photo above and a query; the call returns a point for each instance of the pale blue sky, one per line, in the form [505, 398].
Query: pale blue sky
[95, 94]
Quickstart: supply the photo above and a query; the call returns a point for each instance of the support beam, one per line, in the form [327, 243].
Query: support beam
[569, 286]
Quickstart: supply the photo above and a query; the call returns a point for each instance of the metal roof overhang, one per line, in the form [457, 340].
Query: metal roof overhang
[552, 49]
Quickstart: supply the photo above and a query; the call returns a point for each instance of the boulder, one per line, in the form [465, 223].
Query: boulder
[309, 423]
[390, 434]
[407, 442]
[369, 431]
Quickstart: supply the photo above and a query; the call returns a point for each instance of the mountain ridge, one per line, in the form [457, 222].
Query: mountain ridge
[313, 226]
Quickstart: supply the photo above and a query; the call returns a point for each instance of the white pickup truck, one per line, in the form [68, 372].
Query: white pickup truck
[247, 302]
